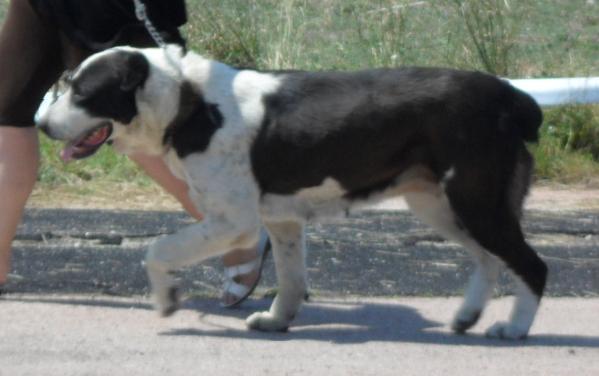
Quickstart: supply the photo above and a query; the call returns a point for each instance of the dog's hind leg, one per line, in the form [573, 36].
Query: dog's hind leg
[482, 204]
[433, 209]
[478, 293]
[288, 250]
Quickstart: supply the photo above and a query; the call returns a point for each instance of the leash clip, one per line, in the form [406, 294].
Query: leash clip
[140, 10]
[142, 15]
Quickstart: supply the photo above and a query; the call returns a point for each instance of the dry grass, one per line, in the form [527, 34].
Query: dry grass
[521, 38]
[105, 195]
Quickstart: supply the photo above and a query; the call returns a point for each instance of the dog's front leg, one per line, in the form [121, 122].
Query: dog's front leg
[288, 249]
[212, 237]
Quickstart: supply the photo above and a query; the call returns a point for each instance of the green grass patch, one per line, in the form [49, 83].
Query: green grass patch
[518, 38]
[568, 151]
[524, 38]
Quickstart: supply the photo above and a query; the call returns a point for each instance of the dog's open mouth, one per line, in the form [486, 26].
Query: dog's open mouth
[87, 144]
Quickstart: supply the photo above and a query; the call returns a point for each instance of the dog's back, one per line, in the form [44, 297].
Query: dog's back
[365, 129]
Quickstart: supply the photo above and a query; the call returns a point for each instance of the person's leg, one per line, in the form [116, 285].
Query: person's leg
[33, 54]
[18, 170]
[157, 169]
[29, 63]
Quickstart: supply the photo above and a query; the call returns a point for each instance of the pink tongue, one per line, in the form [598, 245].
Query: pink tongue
[67, 154]
[97, 137]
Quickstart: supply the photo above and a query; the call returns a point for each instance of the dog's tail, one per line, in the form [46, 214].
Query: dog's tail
[527, 115]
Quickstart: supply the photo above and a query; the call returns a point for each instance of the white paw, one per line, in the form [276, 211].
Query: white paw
[464, 320]
[267, 322]
[504, 330]
[167, 301]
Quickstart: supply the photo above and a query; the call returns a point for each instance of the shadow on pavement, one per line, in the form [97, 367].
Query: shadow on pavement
[335, 322]
[350, 323]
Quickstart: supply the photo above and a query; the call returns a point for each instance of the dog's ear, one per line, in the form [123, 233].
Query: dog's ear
[106, 85]
[135, 72]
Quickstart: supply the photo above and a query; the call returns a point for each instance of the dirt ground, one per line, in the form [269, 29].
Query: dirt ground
[556, 198]
[542, 197]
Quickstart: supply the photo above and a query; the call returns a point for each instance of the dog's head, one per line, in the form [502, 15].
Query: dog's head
[105, 96]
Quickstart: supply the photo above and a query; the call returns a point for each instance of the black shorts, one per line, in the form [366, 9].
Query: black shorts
[37, 46]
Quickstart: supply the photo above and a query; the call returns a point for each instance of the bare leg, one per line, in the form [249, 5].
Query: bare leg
[240, 257]
[30, 61]
[155, 168]
[19, 159]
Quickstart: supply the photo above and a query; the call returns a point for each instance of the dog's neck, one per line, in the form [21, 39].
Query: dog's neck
[195, 123]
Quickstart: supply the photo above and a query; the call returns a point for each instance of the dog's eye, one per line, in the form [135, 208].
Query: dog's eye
[76, 95]
[76, 91]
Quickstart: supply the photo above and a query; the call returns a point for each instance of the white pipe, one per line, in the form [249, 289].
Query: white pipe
[546, 91]
[557, 91]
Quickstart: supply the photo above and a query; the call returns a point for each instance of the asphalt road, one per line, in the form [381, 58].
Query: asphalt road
[380, 283]
[376, 253]
[98, 335]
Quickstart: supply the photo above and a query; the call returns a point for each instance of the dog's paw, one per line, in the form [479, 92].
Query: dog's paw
[167, 302]
[503, 330]
[464, 320]
[266, 322]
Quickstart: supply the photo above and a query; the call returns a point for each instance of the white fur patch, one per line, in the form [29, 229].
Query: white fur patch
[522, 316]
[328, 190]
[322, 201]
[73, 121]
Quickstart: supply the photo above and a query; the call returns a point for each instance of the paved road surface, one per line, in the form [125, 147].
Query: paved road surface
[371, 254]
[98, 335]
[76, 303]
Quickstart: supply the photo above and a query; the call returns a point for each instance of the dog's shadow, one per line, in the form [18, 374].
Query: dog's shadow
[332, 322]
[351, 323]
[337, 322]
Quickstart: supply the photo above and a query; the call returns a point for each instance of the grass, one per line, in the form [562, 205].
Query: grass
[569, 147]
[515, 38]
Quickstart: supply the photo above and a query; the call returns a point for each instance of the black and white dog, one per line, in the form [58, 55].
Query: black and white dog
[282, 148]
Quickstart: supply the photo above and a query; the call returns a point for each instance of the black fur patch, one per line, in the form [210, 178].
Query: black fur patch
[195, 124]
[106, 88]
[462, 326]
[364, 129]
